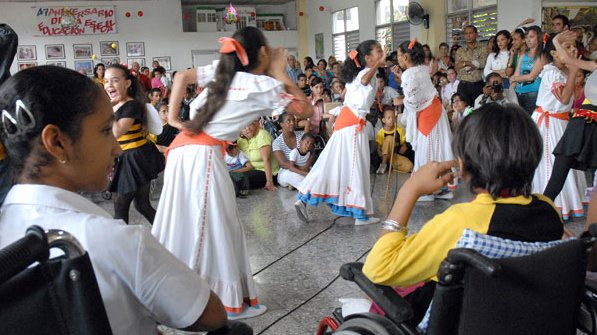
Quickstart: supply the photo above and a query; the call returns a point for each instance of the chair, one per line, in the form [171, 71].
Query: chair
[536, 294]
[57, 296]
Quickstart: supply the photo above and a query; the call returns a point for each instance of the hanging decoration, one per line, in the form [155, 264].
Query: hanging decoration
[68, 19]
[231, 15]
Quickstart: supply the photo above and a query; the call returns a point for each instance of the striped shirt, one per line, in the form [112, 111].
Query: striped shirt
[280, 145]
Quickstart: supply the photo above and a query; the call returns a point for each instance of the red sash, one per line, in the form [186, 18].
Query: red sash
[347, 119]
[428, 117]
[546, 115]
[185, 138]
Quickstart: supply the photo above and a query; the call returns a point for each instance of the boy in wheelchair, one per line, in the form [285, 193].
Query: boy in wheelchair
[498, 149]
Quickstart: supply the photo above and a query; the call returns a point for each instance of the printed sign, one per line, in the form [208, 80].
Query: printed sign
[74, 21]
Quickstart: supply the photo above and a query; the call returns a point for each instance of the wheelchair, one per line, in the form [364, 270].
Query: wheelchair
[543, 293]
[58, 295]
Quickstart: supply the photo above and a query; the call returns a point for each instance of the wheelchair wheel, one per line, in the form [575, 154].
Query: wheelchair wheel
[367, 324]
[107, 195]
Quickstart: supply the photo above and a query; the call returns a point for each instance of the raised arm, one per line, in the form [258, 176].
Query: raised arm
[300, 106]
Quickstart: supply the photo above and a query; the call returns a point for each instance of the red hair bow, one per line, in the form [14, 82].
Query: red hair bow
[412, 43]
[230, 45]
[354, 56]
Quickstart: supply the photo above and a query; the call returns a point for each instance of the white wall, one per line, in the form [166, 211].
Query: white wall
[160, 28]
[512, 12]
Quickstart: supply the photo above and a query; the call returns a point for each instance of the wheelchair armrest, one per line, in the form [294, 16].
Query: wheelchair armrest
[19, 255]
[473, 258]
[396, 308]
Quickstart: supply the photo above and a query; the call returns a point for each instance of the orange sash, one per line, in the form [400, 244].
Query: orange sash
[347, 119]
[185, 138]
[428, 117]
[546, 115]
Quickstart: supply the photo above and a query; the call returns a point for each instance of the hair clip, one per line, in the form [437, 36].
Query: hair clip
[354, 56]
[412, 43]
[25, 118]
[23, 121]
[230, 45]
[9, 123]
[545, 38]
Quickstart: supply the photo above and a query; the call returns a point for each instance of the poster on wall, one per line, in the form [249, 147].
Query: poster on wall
[74, 21]
[319, 45]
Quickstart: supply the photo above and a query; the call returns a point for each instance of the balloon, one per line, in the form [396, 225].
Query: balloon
[113, 45]
[93, 57]
[231, 15]
[591, 88]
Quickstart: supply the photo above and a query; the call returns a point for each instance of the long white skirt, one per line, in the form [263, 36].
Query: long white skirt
[197, 220]
[340, 177]
[437, 146]
[571, 198]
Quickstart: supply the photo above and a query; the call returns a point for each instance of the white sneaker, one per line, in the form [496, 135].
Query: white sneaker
[445, 195]
[381, 169]
[370, 220]
[248, 312]
[301, 211]
[426, 198]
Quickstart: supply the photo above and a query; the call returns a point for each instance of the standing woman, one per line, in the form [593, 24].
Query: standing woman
[140, 161]
[98, 73]
[498, 59]
[526, 78]
[197, 219]
[429, 60]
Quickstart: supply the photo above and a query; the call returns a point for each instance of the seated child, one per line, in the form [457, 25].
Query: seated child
[498, 149]
[337, 90]
[386, 141]
[460, 109]
[168, 134]
[301, 155]
[237, 164]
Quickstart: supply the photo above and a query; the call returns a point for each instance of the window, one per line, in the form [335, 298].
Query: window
[480, 13]
[345, 31]
[392, 27]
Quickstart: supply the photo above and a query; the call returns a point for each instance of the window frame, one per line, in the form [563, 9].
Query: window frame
[347, 35]
[469, 14]
[392, 25]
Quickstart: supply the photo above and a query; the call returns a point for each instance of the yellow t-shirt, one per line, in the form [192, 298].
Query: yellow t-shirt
[383, 133]
[252, 150]
[398, 260]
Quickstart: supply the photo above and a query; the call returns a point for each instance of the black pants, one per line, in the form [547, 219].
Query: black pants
[470, 90]
[257, 179]
[122, 204]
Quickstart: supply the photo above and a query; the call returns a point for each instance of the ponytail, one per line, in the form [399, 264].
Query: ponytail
[351, 67]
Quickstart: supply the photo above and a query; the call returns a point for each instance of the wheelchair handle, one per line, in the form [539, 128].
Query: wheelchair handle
[66, 242]
[473, 258]
[19, 255]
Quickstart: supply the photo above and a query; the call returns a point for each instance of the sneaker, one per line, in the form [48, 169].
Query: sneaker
[244, 192]
[382, 168]
[444, 195]
[426, 198]
[248, 312]
[301, 211]
[370, 220]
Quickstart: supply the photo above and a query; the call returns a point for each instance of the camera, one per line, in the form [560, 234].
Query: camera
[497, 87]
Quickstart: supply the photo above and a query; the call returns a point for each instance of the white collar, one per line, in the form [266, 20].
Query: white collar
[50, 196]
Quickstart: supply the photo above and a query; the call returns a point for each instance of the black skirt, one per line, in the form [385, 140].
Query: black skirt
[579, 142]
[136, 168]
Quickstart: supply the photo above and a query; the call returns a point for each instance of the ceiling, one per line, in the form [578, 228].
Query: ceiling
[186, 2]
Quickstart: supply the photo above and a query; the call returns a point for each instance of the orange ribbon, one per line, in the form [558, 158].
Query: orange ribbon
[412, 43]
[354, 56]
[230, 45]
[546, 115]
[347, 119]
[186, 138]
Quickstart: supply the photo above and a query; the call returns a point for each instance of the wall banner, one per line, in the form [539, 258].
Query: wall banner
[74, 21]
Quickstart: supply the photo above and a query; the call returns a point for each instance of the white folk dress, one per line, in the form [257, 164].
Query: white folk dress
[197, 218]
[340, 177]
[419, 94]
[571, 198]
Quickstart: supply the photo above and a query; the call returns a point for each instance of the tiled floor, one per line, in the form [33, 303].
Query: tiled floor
[296, 264]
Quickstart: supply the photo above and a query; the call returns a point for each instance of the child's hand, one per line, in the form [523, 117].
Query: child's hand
[431, 177]
[270, 186]
[278, 62]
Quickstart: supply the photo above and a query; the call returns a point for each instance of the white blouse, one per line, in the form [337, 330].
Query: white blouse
[496, 63]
